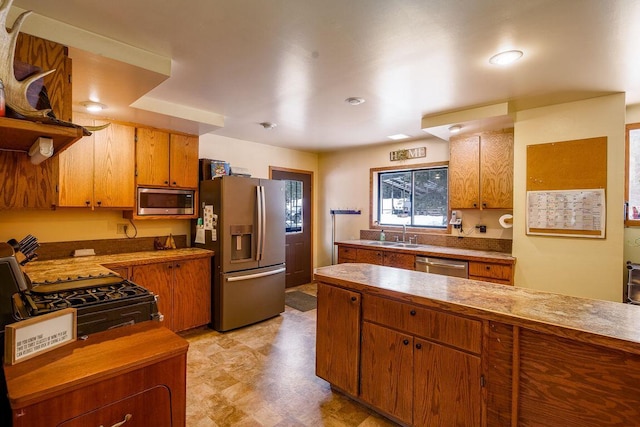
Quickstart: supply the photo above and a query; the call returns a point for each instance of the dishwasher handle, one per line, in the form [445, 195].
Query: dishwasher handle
[439, 264]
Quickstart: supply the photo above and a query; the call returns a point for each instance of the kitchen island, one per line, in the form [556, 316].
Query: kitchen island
[435, 350]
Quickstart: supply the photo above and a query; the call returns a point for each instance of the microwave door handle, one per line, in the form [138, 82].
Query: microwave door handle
[264, 221]
[259, 207]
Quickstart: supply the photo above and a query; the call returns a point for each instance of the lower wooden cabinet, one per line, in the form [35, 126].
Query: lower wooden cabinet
[447, 389]
[130, 376]
[390, 259]
[419, 366]
[338, 352]
[183, 289]
[386, 371]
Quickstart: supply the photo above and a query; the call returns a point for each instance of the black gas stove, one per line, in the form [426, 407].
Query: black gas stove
[102, 302]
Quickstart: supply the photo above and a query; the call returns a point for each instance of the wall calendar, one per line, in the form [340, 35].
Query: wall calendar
[574, 213]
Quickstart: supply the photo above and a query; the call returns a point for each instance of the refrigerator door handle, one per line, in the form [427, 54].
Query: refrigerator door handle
[260, 232]
[264, 221]
[256, 275]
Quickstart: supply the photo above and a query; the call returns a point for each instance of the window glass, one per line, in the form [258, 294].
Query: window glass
[293, 206]
[416, 198]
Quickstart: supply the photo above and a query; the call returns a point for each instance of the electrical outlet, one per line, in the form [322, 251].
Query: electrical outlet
[122, 229]
[482, 228]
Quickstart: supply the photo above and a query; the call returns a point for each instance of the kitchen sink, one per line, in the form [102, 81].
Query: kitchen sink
[383, 243]
[405, 245]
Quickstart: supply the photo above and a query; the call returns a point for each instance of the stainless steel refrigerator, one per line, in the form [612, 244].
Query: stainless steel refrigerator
[248, 238]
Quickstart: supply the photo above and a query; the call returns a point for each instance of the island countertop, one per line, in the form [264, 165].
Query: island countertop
[607, 323]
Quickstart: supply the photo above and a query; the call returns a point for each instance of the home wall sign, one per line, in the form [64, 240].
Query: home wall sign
[410, 153]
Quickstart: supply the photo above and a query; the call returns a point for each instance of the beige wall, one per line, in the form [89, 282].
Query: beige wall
[574, 266]
[65, 225]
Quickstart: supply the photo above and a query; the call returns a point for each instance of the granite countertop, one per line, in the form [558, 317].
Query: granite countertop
[434, 250]
[95, 265]
[607, 323]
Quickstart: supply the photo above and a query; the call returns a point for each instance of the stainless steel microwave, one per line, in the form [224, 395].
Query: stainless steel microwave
[165, 201]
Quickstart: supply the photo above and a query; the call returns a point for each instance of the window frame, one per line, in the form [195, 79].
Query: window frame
[628, 222]
[373, 198]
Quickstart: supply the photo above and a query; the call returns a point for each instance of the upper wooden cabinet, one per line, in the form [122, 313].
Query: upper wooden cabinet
[481, 171]
[98, 171]
[166, 160]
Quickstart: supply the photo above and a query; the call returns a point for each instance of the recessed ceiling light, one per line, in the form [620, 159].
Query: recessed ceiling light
[93, 106]
[455, 128]
[398, 136]
[354, 100]
[506, 57]
[268, 125]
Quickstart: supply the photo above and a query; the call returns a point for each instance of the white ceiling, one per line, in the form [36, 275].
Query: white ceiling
[293, 62]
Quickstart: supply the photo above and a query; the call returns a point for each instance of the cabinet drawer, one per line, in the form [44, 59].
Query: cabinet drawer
[369, 256]
[150, 407]
[346, 254]
[489, 270]
[457, 331]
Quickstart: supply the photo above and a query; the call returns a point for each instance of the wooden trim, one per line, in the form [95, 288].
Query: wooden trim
[312, 200]
[631, 126]
[515, 376]
[373, 171]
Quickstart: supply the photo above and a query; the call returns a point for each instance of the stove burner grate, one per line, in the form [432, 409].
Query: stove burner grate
[46, 302]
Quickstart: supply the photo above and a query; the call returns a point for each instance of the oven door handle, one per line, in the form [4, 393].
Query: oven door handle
[256, 275]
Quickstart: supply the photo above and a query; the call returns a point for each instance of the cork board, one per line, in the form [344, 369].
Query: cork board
[567, 165]
[566, 184]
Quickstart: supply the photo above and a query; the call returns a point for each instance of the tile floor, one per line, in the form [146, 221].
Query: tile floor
[264, 375]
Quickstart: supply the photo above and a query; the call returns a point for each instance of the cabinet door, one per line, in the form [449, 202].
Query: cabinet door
[114, 151]
[496, 170]
[346, 254]
[337, 337]
[386, 370]
[447, 389]
[369, 256]
[76, 170]
[157, 278]
[464, 172]
[152, 157]
[400, 260]
[26, 185]
[191, 293]
[183, 161]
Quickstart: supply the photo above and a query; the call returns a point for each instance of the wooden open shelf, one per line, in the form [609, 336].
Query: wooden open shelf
[20, 135]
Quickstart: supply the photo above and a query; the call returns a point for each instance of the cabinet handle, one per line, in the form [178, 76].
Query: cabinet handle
[405, 342]
[175, 183]
[170, 266]
[418, 346]
[488, 267]
[412, 312]
[475, 205]
[177, 265]
[126, 418]
[87, 202]
[166, 182]
[354, 299]
[99, 202]
[484, 205]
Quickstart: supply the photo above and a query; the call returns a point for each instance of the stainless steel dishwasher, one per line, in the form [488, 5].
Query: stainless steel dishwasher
[446, 267]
